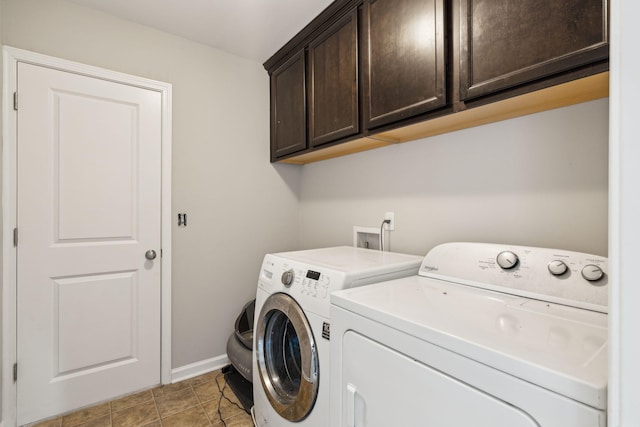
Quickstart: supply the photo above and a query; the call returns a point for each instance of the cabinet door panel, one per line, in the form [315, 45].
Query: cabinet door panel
[288, 107]
[333, 63]
[405, 53]
[504, 43]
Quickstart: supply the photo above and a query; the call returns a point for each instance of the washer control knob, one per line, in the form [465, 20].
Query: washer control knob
[592, 273]
[507, 260]
[557, 267]
[287, 277]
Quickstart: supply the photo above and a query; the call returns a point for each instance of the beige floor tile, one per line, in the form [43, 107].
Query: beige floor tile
[211, 409]
[207, 391]
[229, 394]
[172, 403]
[50, 423]
[193, 417]
[209, 376]
[227, 410]
[86, 415]
[240, 420]
[135, 416]
[104, 421]
[177, 404]
[230, 409]
[170, 388]
[133, 400]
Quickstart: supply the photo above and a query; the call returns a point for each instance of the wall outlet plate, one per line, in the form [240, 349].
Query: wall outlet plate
[391, 216]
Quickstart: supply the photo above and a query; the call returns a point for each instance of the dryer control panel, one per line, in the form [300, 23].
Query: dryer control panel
[565, 277]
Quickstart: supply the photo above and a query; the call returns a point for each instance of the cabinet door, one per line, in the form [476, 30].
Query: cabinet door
[404, 59]
[333, 63]
[504, 43]
[288, 107]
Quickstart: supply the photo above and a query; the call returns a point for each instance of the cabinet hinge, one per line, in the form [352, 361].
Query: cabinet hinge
[15, 237]
[15, 372]
[15, 101]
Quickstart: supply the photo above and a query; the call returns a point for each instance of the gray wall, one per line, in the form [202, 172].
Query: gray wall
[239, 206]
[538, 180]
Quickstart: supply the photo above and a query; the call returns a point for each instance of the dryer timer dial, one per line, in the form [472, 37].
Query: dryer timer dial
[287, 277]
[507, 260]
[557, 267]
[592, 273]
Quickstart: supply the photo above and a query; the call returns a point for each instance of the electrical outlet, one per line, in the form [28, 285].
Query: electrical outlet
[391, 216]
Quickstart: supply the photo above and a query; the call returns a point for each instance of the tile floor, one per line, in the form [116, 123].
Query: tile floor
[189, 403]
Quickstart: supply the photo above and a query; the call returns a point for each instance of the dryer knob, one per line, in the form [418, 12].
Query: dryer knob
[507, 260]
[592, 273]
[557, 267]
[287, 277]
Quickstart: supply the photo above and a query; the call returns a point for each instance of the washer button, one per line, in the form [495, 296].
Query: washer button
[287, 277]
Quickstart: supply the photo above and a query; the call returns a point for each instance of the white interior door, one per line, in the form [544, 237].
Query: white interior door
[89, 208]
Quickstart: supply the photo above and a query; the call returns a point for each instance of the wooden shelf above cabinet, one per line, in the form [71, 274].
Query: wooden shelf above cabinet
[562, 95]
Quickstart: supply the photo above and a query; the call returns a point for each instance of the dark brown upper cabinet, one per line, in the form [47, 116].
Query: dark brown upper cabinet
[506, 43]
[404, 59]
[368, 73]
[333, 87]
[289, 107]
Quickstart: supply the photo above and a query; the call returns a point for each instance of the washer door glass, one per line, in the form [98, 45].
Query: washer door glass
[287, 357]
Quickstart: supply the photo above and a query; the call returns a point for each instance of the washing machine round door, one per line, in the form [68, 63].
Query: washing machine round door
[287, 357]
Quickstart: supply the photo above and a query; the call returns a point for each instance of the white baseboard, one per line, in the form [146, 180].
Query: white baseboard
[198, 368]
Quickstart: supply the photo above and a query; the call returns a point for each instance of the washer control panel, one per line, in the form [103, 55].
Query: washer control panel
[309, 286]
[565, 277]
[310, 276]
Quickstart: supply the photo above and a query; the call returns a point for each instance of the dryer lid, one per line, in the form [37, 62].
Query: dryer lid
[561, 348]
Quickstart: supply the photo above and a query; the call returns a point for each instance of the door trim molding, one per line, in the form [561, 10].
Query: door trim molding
[11, 57]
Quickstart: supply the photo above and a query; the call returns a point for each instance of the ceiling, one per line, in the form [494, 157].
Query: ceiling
[252, 29]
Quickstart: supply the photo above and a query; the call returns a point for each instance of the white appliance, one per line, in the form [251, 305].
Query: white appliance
[486, 336]
[291, 328]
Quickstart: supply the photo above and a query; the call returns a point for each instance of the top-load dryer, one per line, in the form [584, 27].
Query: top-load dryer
[292, 326]
[486, 335]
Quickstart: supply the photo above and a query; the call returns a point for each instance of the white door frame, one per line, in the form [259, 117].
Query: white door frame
[11, 58]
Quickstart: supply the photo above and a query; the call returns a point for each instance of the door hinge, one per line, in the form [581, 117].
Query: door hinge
[15, 237]
[15, 372]
[15, 101]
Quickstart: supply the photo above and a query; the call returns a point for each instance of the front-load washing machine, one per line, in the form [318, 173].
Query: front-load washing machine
[292, 326]
[486, 335]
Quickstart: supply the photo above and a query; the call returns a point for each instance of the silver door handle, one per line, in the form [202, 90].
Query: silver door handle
[150, 254]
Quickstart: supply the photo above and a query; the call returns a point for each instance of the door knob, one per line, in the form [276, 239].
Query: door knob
[150, 254]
